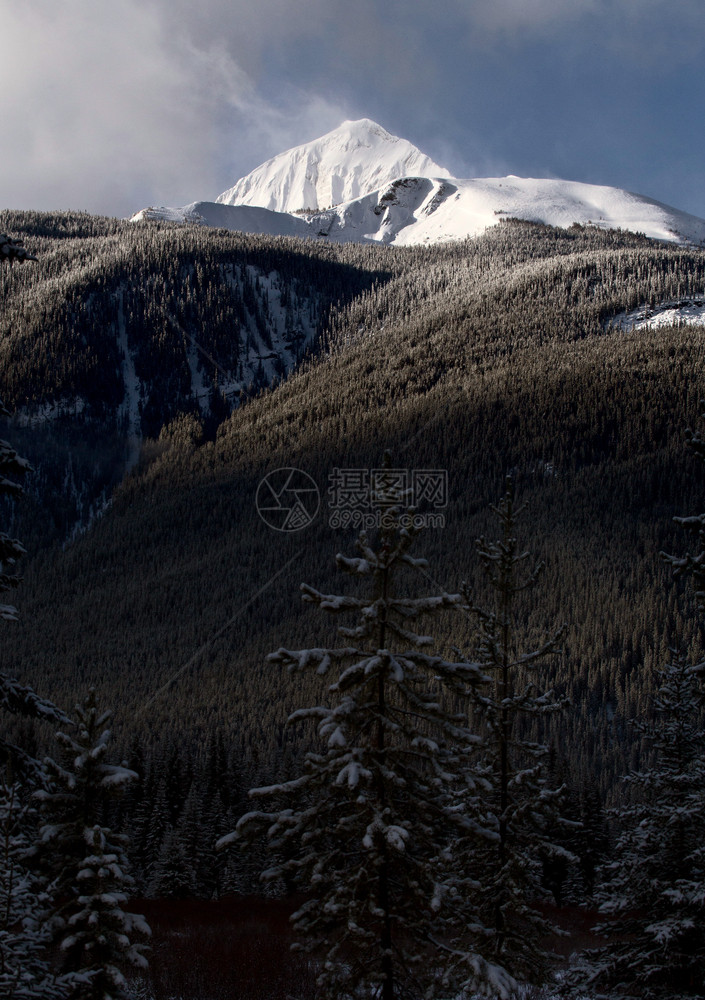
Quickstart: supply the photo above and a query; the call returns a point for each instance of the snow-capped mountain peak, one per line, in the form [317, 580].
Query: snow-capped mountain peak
[361, 184]
[352, 161]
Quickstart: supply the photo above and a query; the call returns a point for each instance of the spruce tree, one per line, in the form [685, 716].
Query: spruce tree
[25, 972]
[522, 806]
[98, 935]
[370, 826]
[654, 893]
[560, 864]
[86, 862]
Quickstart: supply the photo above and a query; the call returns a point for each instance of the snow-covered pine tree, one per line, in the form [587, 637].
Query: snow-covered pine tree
[86, 862]
[99, 933]
[369, 827]
[522, 805]
[24, 968]
[561, 876]
[654, 893]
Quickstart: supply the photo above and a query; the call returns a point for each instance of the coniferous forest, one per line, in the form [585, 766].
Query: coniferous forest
[466, 735]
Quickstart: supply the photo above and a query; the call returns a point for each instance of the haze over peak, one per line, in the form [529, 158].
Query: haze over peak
[351, 161]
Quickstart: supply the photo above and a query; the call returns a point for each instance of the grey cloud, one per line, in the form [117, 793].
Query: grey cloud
[107, 107]
[100, 103]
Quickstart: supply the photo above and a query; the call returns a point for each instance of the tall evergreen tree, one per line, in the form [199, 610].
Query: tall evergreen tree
[25, 972]
[654, 894]
[522, 805]
[370, 825]
[560, 864]
[87, 862]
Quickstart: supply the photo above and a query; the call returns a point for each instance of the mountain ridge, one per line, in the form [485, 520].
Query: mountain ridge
[382, 189]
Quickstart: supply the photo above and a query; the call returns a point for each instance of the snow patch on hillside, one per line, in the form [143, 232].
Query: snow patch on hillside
[685, 312]
[236, 218]
[199, 390]
[274, 332]
[130, 407]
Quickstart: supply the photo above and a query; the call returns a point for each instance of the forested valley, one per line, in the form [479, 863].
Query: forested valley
[158, 373]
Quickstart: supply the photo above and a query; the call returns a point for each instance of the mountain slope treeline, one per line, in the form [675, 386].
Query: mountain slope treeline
[478, 359]
[161, 286]
[119, 327]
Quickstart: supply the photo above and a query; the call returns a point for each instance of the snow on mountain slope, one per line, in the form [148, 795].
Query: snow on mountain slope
[384, 190]
[353, 160]
[419, 210]
[416, 210]
[240, 218]
[687, 312]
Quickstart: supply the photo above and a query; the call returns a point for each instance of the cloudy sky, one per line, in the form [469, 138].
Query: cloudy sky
[113, 106]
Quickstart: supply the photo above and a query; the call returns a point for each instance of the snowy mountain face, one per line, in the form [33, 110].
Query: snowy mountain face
[351, 161]
[360, 184]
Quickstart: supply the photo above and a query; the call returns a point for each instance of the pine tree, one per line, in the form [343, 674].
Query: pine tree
[370, 826]
[174, 874]
[524, 809]
[86, 862]
[654, 894]
[24, 967]
[98, 931]
[158, 827]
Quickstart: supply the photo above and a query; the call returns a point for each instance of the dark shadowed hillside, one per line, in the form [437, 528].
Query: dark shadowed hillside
[477, 358]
